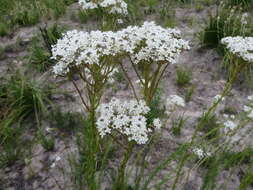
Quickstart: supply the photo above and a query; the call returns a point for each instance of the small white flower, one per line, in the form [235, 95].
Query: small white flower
[241, 47]
[157, 123]
[201, 153]
[48, 129]
[57, 158]
[111, 6]
[120, 21]
[250, 115]
[53, 165]
[225, 116]
[174, 101]
[142, 82]
[217, 97]
[250, 97]
[229, 125]
[246, 108]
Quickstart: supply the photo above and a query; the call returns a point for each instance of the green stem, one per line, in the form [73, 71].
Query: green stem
[200, 124]
[122, 167]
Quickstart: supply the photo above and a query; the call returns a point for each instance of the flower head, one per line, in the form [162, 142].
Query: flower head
[125, 117]
[240, 46]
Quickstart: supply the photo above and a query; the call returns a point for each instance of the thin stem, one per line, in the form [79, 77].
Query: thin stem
[160, 77]
[122, 168]
[80, 95]
[153, 87]
[130, 82]
[136, 71]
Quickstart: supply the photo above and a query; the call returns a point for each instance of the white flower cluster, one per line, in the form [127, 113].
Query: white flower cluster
[229, 126]
[113, 6]
[125, 117]
[200, 153]
[148, 42]
[161, 44]
[83, 48]
[249, 108]
[217, 97]
[174, 101]
[57, 159]
[240, 46]
[244, 18]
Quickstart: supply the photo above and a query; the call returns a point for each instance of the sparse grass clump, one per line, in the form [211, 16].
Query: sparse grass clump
[20, 98]
[183, 77]
[245, 4]
[178, 124]
[188, 93]
[210, 126]
[40, 50]
[4, 29]
[228, 21]
[47, 142]
[66, 122]
[25, 14]
[29, 12]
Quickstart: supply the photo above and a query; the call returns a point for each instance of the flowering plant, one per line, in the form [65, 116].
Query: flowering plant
[111, 12]
[111, 6]
[240, 46]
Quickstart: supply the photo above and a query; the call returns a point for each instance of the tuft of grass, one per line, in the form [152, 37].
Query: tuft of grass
[183, 77]
[156, 111]
[51, 34]
[39, 57]
[232, 159]
[23, 97]
[178, 124]
[226, 22]
[25, 14]
[188, 93]
[210, 126]
[246, 181]
[40, 54]
[2, 53]
[213, 169]
[11, 144]
[48, 143]
[4, 29]
[66, 122]
[20, 98]
[244, 4]
[119, 77]
[83, 16]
